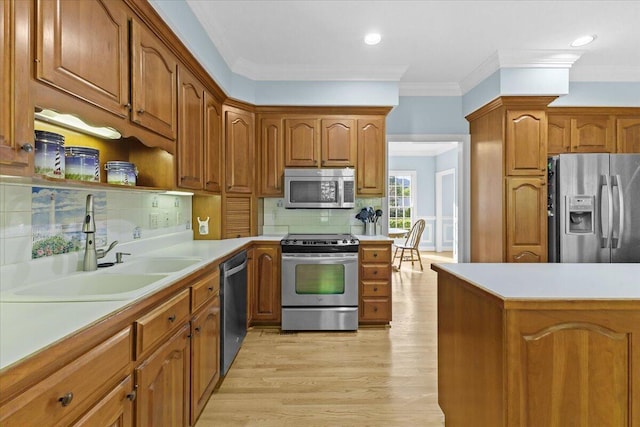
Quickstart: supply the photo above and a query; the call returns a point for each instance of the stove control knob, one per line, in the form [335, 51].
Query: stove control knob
[353, 241]
[285, 242]
[344, 241]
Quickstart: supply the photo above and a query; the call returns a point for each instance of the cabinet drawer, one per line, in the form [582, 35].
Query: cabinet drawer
[72, 390]
[376, 309]
[376, 272]
[160, 322]
[204, 289]
[376, 289]
[376, 254]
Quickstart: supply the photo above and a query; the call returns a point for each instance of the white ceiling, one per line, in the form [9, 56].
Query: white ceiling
[435, 47]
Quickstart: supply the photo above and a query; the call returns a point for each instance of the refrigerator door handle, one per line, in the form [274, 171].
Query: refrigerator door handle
[606, 243]
[616, 243]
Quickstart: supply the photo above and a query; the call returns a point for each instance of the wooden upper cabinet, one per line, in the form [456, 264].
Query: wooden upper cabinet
[593, 134]
[83, 49]
[270, 157]
[338, 142]
[190, 141]
[526, 145]
[526, 219]
[212, 143]
[371, 178]
[153, 82]
[558, 134]
[239, 151]
[16, 112]
[301, 143]
[628, 135]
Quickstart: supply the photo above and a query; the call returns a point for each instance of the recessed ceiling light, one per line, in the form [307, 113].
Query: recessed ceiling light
[582, 41]
[372, 38]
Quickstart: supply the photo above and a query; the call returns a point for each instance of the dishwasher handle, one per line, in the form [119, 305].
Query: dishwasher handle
[234, 270]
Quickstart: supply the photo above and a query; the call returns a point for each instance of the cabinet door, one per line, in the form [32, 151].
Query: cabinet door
[237, 213]
[301, 143]
[239, 164]
[16, 111]
[558, 134]
[190, 141]
[114, 410]
[526, 146]
[593, 134]
[628, 135]
[153, 82]
[371, 178]
[266, 306]
[205, 356]
[270, 158]
[83, 49]
[573, 367]
[212, 143]
[338, 141]
[526, 220]
[162, 381]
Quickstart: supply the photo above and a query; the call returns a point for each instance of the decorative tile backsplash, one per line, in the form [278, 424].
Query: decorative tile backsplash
[38, 222]
[278, 220]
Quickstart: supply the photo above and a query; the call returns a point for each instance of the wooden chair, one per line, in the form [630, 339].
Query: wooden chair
[411, 244]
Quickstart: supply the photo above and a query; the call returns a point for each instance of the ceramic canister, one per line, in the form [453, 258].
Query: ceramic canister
[82, 163]
[49, 154]
[122, 173]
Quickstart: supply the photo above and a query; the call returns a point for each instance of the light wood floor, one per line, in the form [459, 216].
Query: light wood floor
[373, 377]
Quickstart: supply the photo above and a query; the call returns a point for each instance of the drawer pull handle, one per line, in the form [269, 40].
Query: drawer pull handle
[375, 254]
[375, 289]
[66, 399]
[375, 309]
[172, 318]
[132, 396]
[375, 272]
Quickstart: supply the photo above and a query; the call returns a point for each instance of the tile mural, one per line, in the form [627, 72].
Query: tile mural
[57, 216]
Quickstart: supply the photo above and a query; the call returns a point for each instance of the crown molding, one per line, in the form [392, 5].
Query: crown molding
[519, 59]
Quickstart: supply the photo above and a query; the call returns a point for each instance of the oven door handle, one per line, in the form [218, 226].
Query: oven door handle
[316, 258]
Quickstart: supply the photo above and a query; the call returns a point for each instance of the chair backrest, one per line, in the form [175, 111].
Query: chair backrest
[414, 236]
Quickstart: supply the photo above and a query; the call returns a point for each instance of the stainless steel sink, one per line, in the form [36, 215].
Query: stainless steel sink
[85, 287]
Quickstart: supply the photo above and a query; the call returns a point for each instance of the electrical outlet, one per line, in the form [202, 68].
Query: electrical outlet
[154, 202]
[153, 220]
[166, 221]
[178, 217]
[176, 202]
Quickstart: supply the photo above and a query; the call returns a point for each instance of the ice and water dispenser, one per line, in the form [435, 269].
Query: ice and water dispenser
[580, 214]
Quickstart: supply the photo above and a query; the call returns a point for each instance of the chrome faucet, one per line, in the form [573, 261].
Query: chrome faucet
[91, 255]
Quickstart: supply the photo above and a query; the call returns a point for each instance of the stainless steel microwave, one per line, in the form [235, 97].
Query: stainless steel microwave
[319, 188]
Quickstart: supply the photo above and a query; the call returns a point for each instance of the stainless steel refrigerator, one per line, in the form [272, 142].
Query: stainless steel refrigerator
[594, 208]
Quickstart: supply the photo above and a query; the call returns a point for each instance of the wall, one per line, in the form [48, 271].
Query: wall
[45, 221]
[278, 220]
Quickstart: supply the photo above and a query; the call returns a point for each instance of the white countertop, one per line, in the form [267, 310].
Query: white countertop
[27, 327]
[553, 281]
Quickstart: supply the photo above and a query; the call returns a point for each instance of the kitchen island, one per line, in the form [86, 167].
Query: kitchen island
[539, 344]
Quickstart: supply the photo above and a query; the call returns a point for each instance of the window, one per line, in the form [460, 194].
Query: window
[402, 198]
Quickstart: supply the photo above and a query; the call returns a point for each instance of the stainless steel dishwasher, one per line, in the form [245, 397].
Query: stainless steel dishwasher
[233, 299]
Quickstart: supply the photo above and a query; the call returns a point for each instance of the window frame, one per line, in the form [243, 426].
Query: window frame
[413, 175]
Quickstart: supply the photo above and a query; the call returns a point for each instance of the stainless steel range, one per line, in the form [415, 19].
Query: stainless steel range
[319, 282]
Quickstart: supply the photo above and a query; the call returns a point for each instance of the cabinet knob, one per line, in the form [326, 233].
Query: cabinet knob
[132, 396]
[66, 399]
[375, 272]
[27, 147]
[375, 308]
[375, 289]
[375, 254]
[127, 106]
[172, 318]
[141, 111]
[197, 329]
[210, 288]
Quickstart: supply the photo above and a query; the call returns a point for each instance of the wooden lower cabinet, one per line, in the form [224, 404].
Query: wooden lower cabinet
[72, 390]
[163, 383]
[526, 219]
[535, 362]
[265, 305]
[114, 410]
[205, 355]
[375, 283]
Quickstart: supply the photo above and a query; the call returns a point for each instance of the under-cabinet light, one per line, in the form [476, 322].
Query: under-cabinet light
[178, 193]
[74, 123]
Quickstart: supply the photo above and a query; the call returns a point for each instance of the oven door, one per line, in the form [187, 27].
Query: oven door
[320, 280]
